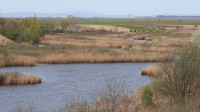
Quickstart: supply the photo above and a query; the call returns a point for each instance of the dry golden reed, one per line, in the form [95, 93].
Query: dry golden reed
[82, 58]
[14, 78]
[2, 63]
[21, 61]
[100, 58]
[18, 61]
[154, 70]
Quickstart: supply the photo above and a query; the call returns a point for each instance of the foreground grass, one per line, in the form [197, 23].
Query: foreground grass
[16, 78]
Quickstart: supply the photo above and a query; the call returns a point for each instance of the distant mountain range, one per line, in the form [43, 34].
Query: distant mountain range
[85, 14]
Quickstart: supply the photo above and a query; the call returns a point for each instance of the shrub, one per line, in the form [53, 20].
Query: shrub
[28, 30]
[32, 33]
[64, 24]
[147, 96]
[181, 78]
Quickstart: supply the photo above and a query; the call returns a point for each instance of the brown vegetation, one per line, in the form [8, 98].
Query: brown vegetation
[4, 41]
[95, 45]
[17, 61]
[100, 58]
[178, 85]
[15, 78]
[154, 70]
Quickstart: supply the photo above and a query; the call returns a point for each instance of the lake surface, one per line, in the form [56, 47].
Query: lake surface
[65, 80]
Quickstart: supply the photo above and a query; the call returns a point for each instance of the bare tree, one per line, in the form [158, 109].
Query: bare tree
[111, 94]
[72, 22]
[49, 25]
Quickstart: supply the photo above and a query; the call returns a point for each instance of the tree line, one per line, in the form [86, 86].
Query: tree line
[30, 30]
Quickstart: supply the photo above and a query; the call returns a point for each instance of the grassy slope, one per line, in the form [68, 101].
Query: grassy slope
[4, 40]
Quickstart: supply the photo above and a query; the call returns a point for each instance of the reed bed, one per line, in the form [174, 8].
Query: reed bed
[15, 78]
[154, 70]
[2, 63]
[82, 58]
[18, 61]
[100, 58]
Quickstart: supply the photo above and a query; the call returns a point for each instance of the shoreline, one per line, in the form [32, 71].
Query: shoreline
[37, 64]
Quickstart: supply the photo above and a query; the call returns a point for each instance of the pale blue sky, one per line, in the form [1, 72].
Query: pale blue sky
[108, 7]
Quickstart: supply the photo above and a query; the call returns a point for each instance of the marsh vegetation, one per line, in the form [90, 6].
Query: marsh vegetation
[98, 40]
[79, 42]
[16, 78]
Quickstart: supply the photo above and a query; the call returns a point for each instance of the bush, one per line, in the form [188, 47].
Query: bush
[28, 30]
[147, 96]
[64, 24]
[11, 34]
[32, 34]
[181, 78]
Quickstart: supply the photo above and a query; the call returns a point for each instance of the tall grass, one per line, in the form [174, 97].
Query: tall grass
[100, 58]
[154, 70]
[15, 78]
[83, 58]
[111, 45]
[17, 61]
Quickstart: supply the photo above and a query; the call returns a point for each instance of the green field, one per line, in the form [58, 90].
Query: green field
[138, 21]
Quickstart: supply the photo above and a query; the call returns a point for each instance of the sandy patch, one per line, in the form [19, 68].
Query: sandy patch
[4, 40]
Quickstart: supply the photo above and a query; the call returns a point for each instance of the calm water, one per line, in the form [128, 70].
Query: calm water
[62, 81]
